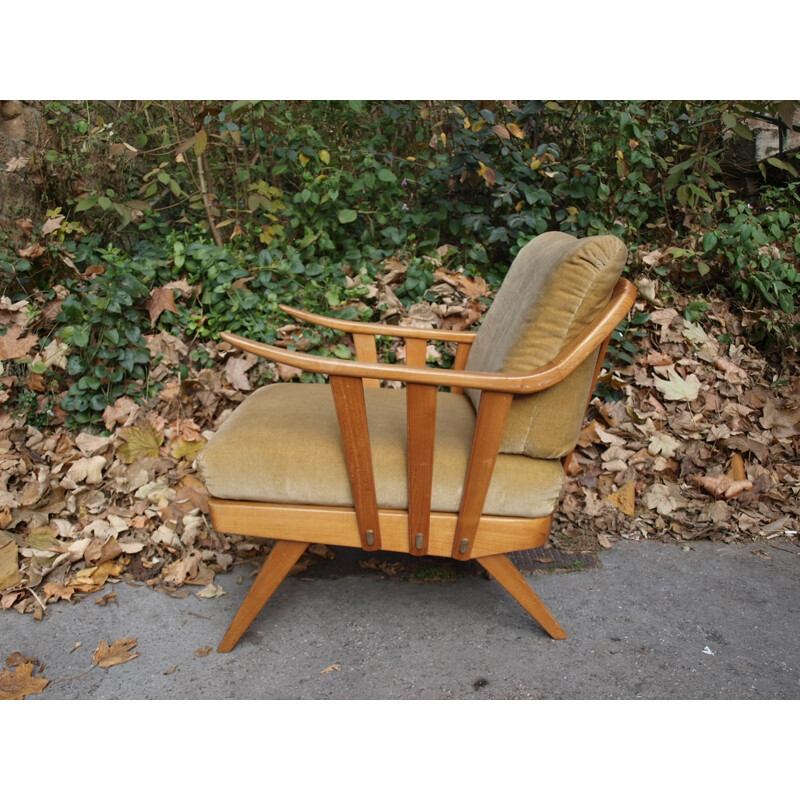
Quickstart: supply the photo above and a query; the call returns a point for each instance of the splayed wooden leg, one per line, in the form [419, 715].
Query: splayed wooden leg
[510, 578]
[282, 558]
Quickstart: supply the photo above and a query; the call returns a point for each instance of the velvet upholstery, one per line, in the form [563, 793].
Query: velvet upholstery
[555, 288]
[282, 445]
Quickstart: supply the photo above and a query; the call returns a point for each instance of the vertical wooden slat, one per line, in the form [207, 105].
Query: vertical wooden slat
[367, 351]
[416, 352]
[348, 395]
[282, 558]
[421, 433]
[460, 362]
[489, 427]
[510, 578]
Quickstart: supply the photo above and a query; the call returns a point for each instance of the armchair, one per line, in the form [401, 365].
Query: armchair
[473, 473]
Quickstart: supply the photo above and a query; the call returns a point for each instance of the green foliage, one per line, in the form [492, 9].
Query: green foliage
[260, 203]
[103, 322]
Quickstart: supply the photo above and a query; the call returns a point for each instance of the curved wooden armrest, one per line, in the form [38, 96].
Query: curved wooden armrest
[376, 329]
[548, 375]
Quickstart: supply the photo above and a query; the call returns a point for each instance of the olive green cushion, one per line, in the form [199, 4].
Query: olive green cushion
[556, 286]
[282, 445]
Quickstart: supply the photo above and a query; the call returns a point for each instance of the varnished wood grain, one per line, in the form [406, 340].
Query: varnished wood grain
[351, 410]
[282, 558]
[510, 578]
[492, 415]
[421, 434]
[416, 352]
[367, 352]
[556, 370]
[336, 525]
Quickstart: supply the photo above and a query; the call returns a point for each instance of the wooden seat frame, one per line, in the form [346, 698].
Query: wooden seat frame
[469, 534]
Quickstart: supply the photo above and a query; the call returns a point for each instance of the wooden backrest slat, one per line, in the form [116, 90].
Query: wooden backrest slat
[367, 351]
[416, 352]
[351, 410]
[421, 434]
[462, 354]
[492, 415]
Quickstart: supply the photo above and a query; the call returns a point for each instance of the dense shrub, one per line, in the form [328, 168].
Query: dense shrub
[259, 203]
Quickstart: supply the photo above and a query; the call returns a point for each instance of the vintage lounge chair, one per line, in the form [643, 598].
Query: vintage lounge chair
[473, 473]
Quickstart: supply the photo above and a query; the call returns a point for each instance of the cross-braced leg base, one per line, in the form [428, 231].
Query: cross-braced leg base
[510, 578]
[282, 558]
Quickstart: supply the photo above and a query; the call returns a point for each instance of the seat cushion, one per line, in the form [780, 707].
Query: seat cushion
[282, 445]
[556, 286]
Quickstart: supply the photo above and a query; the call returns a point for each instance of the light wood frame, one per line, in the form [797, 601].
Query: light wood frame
[469, 534]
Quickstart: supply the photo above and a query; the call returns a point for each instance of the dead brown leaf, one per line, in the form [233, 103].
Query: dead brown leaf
[32, 251]
[624, 499]
[9, 562]
[202, 652]
[141, 441]
[14, 345]
[161, 300]
[287, 373]
[719, 485]
[117, 653]
[17, 685]
[737, 472]
[783, 423]
[121, 413]
[236, 369]
[58, 590]
[52, 224]
[182, 448]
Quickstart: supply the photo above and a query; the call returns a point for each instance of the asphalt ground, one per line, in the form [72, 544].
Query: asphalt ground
[653, 621]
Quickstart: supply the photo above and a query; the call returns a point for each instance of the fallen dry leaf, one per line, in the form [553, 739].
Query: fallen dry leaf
[141, 441]
[58, 590]
[20, 683]
[15, 659]
[118, 653]
[624, 499]
[663, 444]
[677, 388]
[121, 413]
[287, 373]
[736, 472]
[202, 652]
[236, 372]
[161, 300]
[211, 591]
[331, 668]
[9, 562]
[12, 346]
[111, 597]
[87, 470]
[718, 485]
[181, 448]
[53, 224]
[665, 498]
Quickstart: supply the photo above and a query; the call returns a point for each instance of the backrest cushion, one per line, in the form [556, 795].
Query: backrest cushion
[556, 286]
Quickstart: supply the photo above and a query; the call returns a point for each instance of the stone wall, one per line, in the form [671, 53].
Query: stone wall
[22, 138]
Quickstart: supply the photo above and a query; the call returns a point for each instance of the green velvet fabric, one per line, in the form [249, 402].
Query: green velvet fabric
[556, 286]
[282, 445]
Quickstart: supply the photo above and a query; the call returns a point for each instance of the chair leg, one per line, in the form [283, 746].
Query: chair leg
[282, 558]
[510, 578]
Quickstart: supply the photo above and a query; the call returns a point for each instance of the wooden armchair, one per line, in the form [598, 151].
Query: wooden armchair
[473, 473]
